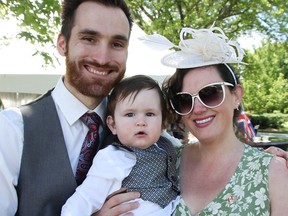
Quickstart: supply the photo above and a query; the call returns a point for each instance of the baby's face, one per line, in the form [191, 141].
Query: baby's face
[138, 122]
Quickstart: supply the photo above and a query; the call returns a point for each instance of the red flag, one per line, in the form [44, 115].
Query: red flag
[246, 126]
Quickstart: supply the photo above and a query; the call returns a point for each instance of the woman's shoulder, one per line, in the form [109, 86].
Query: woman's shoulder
[254, 158]
[256, 152]
[278, 185]
[278, 168]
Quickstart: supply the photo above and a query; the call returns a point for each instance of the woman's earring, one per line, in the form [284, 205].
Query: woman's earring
[238, 104]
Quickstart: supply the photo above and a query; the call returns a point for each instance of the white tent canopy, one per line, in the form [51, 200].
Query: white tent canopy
[22, 77]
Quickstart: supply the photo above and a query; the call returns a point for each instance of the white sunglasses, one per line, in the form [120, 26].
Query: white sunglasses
[211, 96]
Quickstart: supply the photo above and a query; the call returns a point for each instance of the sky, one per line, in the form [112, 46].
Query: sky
[250, 42]
[17, 57]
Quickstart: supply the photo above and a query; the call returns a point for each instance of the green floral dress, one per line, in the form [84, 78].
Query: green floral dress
[245, 194]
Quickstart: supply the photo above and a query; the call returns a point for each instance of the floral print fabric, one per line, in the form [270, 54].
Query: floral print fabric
[245, 194]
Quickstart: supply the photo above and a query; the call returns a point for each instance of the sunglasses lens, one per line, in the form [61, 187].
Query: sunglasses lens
[182, 103]
[211, 96]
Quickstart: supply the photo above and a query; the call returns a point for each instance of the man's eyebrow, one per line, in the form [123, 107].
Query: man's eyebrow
[121, 37]
[88, 32]
[96, 33]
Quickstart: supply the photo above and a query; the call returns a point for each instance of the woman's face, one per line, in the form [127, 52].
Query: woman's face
[209, 123]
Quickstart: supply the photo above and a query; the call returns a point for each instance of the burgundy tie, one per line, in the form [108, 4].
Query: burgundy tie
[89, 147]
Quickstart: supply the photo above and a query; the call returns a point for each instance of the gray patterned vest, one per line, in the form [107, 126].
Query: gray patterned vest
[154, 174]
[46, 179]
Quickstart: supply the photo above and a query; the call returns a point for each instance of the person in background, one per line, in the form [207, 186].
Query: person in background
[41, 143]
[219, 175]
[137, 158]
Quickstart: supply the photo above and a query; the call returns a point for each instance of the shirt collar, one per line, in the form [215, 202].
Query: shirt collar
[71, 107]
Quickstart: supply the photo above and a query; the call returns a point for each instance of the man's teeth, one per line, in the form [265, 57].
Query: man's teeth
[92, 70]
[203, 120]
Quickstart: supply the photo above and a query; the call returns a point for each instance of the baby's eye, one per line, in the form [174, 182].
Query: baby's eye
[150, 114]
[129, 114]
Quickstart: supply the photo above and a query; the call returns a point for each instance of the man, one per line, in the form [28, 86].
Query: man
[41, 142]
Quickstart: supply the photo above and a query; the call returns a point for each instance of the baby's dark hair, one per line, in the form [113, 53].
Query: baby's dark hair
[133, 85]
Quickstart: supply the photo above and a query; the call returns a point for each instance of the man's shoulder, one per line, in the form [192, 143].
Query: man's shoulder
[38, 100]
[10, 116]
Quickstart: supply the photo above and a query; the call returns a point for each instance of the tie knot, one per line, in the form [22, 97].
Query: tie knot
[91, 120]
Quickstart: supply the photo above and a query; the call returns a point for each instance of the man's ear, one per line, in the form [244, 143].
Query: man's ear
[111, 124]
[62, 45]
[238, 92]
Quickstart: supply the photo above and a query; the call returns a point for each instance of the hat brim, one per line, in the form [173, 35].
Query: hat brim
[183, 60]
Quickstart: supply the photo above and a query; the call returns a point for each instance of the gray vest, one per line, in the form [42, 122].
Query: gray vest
[154, 174]
[46, 179]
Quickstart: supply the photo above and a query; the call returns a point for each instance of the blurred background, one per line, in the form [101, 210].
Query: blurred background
[30, 64]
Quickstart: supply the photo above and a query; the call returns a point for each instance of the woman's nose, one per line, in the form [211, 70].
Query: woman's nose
[198, 106]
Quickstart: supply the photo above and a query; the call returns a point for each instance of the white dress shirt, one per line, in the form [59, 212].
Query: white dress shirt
[69, 110]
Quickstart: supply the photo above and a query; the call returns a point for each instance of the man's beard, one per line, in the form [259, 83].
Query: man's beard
[89, 87]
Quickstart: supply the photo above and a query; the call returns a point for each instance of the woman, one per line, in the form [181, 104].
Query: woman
[219, 175]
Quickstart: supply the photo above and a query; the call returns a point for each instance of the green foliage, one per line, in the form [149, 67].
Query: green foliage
[265, 79]
[39, 21]
[270, 120]
[167, 17]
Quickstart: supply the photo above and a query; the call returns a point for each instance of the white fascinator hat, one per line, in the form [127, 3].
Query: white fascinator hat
[197, 47]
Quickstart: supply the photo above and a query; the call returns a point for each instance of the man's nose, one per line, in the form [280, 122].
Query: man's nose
[101, 54]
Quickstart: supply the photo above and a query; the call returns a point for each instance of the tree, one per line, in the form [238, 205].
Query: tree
[265, 78]
[40, 19]
[236, 17]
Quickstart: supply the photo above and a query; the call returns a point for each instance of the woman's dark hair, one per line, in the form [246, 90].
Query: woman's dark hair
[69, 7]
[132, 86]
[174, 85]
